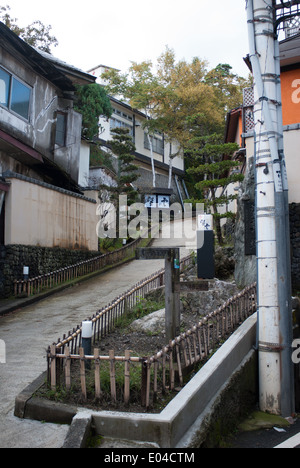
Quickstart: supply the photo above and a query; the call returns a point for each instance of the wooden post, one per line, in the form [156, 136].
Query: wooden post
[82, 373]
[53, 367]
[68, 368]
[148, 383]
[112, 376]
[179, 364]
[172, 295]
[172, 284]
[171, 370]
[127, 378]
[155, 381]
[97, 375]
[144, 382]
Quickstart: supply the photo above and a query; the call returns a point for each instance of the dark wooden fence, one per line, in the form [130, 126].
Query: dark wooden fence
[53, 279]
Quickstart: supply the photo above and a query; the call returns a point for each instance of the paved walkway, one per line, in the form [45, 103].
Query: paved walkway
[29, 331]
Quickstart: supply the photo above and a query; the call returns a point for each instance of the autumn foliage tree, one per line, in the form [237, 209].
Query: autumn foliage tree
[168, 96]
[36, 34]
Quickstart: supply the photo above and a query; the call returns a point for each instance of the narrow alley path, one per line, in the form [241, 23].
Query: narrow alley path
[29, 331]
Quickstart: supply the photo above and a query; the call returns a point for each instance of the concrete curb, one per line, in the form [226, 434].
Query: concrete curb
[176, 426]
[27, 406]
[79, 431]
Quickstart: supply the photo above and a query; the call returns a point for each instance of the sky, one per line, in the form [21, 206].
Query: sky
[116, 32]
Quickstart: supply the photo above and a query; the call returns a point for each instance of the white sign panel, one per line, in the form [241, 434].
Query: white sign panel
[205, 222]
[150, 201]
[163, 201]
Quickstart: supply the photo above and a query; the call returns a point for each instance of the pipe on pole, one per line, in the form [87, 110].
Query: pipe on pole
[274, 314]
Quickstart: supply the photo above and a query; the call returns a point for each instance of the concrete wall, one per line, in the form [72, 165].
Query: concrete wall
[38, 214]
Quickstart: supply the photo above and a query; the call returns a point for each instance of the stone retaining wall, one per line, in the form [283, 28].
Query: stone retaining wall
[40, 260]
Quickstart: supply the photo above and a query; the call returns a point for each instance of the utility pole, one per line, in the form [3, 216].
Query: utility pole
[276, 384]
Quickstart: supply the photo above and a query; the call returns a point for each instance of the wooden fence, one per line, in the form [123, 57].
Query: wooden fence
[163, 371]
[197, 343]
[105, 319]
[50, 280]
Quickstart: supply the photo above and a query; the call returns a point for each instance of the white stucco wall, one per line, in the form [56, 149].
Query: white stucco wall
[42, 216]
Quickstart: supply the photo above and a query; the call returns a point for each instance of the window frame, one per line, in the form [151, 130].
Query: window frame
[58, 142]
[117, 123]
[157, 144]
[13, 78]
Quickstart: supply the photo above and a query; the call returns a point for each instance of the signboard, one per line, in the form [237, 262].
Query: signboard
[150, 201]
[205, 222]
[163, 201]
[158, 253]
[157, 201]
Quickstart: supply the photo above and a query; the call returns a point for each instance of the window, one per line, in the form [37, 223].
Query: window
[115, 123]
[14, 94]
[20, 98]
[61, 127]
[5, 79]
[122, 114]
[157, 144]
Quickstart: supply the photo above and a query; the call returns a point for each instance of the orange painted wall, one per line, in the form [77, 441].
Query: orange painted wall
[290, 89]
[240, 129]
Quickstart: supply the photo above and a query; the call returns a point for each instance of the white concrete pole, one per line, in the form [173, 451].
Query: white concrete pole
[269, 203]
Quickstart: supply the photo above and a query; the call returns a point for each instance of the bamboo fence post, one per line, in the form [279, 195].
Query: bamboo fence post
[179, 364]
[68, 368]
[205, 338]
[195, 345]
[183, 343]
[148, 383]
[172, 373]
[53, 366]
[155, 381]
[112, 376]
[190, 350]
[82, 373]
[127, 378]
[97, 374]
[144, 382]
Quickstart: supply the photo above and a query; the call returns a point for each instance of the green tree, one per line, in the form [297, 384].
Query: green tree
[228, 86]
[215, 171]
[123, 148]
[36, 34]
[92, 102]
